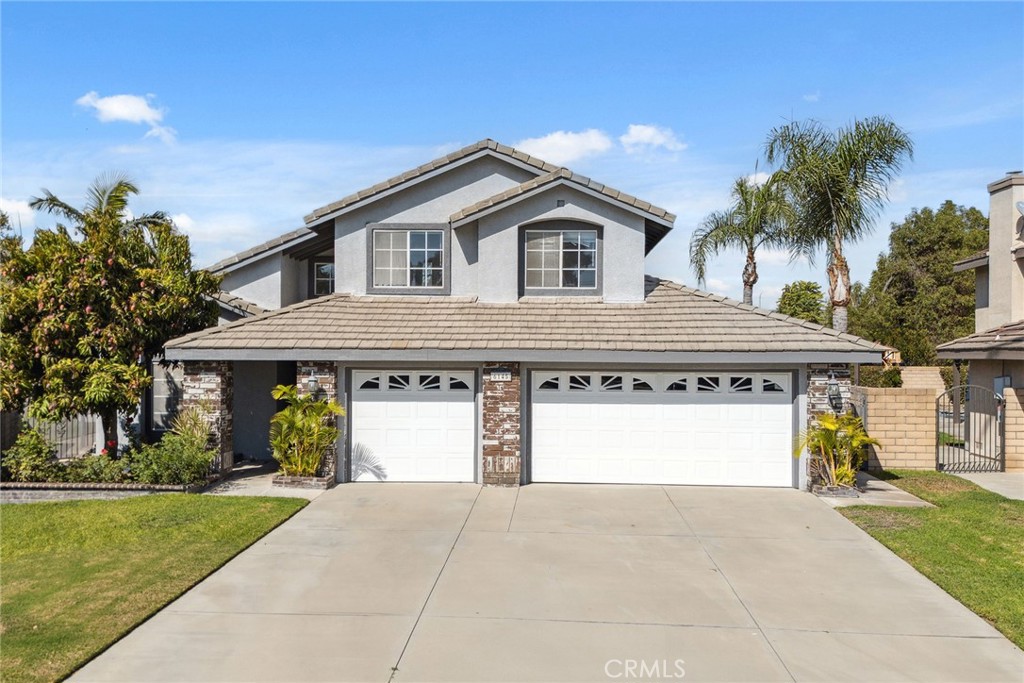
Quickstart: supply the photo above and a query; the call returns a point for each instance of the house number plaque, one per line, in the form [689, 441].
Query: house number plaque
[501, 375]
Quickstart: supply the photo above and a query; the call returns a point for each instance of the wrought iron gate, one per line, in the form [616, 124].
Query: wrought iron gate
[970, 431]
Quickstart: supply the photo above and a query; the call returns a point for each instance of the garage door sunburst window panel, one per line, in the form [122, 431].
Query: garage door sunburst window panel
[408, 258]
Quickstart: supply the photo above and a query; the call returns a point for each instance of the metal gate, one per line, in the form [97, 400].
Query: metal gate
[970, 430]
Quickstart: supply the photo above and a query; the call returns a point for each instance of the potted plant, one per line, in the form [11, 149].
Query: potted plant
[838, 446]
[301, 434]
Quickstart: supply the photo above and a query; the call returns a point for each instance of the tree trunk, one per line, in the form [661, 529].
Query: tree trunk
[749, 278]
[109, 419]
[839, 290]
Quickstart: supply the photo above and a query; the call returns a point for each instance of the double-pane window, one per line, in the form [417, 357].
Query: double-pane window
[408, 258]
[557, 259]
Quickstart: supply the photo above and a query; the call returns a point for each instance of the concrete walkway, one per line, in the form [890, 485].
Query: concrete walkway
[1009, 484]
[423, 582]
[254, 479]
[874, 491]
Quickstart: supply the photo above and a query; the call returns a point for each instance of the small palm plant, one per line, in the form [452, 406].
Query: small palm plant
[303, 432]
[838, 444]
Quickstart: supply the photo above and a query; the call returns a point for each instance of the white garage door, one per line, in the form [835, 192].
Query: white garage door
[413, 425]
[705, 428]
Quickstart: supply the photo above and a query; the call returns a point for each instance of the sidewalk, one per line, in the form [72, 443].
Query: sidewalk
[874, 491]
[254, 479]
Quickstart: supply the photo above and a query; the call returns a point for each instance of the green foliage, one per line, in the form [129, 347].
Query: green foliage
[838, 444]
[761, 216]
[31, 458]
[302, 433]
[192, 426]
[78, 575]
[838, 182]
[96, 468]
[175, 459]
[83, 307]
[914, 301]
[969, 544]
[803, 299]
[878, 376]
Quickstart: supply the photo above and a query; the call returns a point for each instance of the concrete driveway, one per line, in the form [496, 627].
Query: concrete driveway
[421, 582]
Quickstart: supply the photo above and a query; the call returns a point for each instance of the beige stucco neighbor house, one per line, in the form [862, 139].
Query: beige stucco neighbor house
[486, 318]
[995, 351]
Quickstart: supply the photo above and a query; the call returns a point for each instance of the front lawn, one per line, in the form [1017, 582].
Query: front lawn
[75, 576]
[971, 544]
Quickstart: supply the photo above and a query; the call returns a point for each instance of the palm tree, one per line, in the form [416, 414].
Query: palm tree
[839, 182]
[761, 216]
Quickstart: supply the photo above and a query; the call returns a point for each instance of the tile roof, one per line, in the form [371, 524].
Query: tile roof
[278, 241]
[243, 306]
[554, 176]
[673, 318]
[1005, 338]
[539, 164]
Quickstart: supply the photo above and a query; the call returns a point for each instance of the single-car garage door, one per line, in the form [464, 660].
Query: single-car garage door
[413, 425]
[705, 428]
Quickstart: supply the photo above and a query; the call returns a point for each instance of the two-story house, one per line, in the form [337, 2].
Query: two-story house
[995, 352]
[486, 318]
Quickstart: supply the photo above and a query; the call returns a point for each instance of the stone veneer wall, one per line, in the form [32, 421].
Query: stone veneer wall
[903, 420]
[502, 462]
[209, 386]
[1014, 429]
[326, 374]
[817, 387]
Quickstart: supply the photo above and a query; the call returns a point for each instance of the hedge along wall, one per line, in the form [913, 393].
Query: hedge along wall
[903, 421]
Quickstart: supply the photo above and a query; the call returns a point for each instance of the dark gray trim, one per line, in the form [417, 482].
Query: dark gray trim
[658, 358]
[796, 390]
[446, 244]
[227, 268]
[311, 264]
[561, 224]
[981, 355]
[970, 264]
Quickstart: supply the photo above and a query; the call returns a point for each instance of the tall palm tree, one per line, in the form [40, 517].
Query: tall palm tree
[760, 216]
[839, 182]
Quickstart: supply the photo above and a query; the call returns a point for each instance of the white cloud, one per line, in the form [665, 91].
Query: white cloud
[812, 97]
[718, 286]
[773, 257]
[645, 138]
[130, 109]
[563, 147]
[18, 211]
[183, 222]
[759, 178]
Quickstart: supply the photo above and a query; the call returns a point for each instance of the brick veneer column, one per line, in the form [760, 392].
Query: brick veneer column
[501, 426]
[1014, 435]
[326, 374]
[209, 387]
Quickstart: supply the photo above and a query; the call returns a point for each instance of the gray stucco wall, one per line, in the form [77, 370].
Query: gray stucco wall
[622, 269]
[430, 201]
[258, 282]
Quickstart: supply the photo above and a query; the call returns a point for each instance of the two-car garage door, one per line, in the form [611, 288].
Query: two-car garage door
[729, 428]
[706, 428]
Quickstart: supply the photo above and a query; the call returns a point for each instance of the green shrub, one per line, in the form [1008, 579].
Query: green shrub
[880, 377]
[94, 468]
[31, 458]
[175, 459]
[302, 433]
[191, 425]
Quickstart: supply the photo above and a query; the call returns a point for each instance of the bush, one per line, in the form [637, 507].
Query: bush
[879, 377]
[95, 469]
[31, 458]
[303, 432]
[176, 459]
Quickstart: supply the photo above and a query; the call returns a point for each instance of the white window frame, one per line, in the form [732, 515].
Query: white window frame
[404, 264]
[561, 252]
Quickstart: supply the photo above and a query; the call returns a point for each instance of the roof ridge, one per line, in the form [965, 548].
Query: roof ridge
[258, 249]
[394, 181]
[774, 315]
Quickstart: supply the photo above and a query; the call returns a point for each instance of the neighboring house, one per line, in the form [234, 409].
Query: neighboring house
[486, 317]
[995, 351]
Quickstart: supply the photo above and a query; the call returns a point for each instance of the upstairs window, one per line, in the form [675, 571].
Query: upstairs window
[408, 258]
[561, 259]
[323, 275]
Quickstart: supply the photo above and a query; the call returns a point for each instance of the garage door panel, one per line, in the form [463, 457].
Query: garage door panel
[737, 435]
[419, 425]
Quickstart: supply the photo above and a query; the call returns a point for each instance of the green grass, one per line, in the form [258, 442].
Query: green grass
[75, 576]
[971, 544]
[949, 440]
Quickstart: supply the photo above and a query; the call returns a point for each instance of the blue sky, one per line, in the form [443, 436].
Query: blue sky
[241, 118]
